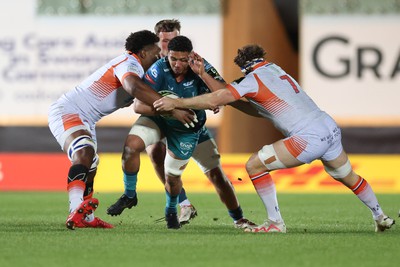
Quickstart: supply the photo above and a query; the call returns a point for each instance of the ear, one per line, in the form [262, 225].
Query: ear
[142, 53]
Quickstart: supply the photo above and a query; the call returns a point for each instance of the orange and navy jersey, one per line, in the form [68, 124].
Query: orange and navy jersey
[278, 97]
[102, 93]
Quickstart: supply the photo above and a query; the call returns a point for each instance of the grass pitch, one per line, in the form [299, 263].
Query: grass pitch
[323, 230]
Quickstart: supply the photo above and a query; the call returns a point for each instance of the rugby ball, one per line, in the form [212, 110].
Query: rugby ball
[169, 94]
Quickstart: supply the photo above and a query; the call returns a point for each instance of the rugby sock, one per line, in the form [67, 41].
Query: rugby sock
[171, 202]
[130, 181]
[75, 194]
[265, 188]
[364, 192]
[88, 191]
[77, 176]
[88, 194]
[236, 214]
[182, 198]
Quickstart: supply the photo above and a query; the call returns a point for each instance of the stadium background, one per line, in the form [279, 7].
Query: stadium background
[336, 49]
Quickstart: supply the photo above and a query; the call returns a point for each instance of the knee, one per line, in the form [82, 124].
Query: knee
[84, 156]
[252, 165]
[133, 145]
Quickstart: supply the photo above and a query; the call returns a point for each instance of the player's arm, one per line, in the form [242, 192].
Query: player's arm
[144, 93]
[208, 76]
[180, 114]
[212, 79]
[245, 107]
[144, 109]
[206, 101]
[140, 90]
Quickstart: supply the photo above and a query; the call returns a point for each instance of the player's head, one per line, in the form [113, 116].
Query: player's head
[248, 56]
[179, 49]
[166, 29]
[144, 45]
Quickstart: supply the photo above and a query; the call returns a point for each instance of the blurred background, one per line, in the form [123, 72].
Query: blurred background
[344, 53]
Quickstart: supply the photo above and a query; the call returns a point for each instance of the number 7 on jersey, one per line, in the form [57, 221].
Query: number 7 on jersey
[289, 79]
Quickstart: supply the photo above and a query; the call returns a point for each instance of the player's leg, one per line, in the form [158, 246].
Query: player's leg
[156, 154]
[176, 159]
[207, 158]
[143, 133]
[258, 167]
[81, 150]
[341, 170]
[174, 168]
[77, 139]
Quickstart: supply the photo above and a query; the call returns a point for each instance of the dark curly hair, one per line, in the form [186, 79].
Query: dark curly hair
[248, 53]
[181, 44]
[167, 25]
[138, 40]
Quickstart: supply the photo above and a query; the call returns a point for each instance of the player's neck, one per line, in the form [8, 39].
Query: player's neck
[179, 77]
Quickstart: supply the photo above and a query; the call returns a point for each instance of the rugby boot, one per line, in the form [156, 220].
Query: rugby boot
[172, 221]
[383, 222]
[269, 227]
[122, 203]
[96, 223]
[87, 207]
[187, 213]
[244, 224]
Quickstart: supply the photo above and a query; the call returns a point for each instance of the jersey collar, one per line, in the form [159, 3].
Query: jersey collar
[260, 64]
[135, 56]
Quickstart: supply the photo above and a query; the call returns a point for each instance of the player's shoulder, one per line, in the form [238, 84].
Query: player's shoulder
[125, 63]
[130, 60]
[159, 67]
[161, 63]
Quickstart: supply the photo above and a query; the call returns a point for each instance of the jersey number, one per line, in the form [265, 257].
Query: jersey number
[289, 79]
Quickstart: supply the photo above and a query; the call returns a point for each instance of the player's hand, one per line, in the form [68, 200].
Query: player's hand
[165, 104]
[185, 116]
[196, 63]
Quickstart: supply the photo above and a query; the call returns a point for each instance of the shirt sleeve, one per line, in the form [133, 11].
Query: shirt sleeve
[245, 88]
[154, 77]
[212, 71]
[128, 67]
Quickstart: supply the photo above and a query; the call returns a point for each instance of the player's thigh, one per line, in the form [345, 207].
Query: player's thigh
[145, 129]
[182, 144]
[66, 124]
[285, 155]
[206, 155]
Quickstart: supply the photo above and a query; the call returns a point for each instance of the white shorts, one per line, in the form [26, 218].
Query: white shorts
[321, 139]
[147, 130]
[65, 120]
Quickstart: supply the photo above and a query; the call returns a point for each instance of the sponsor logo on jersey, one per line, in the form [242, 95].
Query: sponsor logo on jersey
[185, 147]
[134, 69]
[188, 84]
[154, 72]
